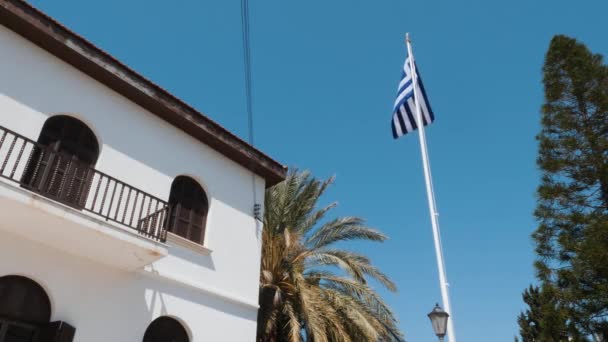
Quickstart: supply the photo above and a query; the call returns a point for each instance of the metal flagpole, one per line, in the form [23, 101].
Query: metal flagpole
[443, 284]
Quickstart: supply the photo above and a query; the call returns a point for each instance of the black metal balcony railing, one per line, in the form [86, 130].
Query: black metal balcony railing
[63, 178]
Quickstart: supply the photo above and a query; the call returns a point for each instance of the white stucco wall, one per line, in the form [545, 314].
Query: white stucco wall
[105, 304]
[144, 151]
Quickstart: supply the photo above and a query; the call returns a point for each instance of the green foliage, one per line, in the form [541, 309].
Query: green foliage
[529, 321]
[572, 210]
[302, 297]
[545, 320]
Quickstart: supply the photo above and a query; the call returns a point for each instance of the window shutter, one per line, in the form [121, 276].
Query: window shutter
[59, 165]
[57, 332]
[188, 208]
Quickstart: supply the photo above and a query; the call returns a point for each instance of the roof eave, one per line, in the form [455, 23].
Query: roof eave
[66, 45]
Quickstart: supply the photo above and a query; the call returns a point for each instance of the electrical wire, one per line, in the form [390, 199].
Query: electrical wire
[247, 67]
[249, 95]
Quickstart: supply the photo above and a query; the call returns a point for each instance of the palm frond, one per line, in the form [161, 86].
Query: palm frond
[343, 229]
[301, 295]
[356, 265]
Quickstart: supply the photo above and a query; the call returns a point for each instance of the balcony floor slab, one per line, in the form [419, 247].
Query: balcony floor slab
[37, 218]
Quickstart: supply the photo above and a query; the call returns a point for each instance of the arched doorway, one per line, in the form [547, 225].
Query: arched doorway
[24, 309]
[60, 164]
[166, 329]
[25, 313]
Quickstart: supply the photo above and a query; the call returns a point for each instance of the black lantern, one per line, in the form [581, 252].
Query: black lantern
[439, 320]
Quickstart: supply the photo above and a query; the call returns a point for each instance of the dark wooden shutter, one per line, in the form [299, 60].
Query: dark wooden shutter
[188, 209]
[59, 166]
[15, 331]
[57, 332]
[22, 299]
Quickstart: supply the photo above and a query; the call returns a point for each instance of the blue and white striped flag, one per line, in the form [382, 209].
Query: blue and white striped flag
[404, 112]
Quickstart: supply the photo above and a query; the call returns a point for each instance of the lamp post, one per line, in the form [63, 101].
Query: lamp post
[439, 320]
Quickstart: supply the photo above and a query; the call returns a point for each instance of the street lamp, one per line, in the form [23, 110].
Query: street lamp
[439, 320]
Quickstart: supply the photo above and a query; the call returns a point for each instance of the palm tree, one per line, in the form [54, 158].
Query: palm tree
[309, 289]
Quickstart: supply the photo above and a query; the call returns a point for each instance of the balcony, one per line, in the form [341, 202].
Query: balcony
[59, 201]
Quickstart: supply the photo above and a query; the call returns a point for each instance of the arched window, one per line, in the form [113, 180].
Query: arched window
[24, 307]
[165, 329]
[59, 167]
[70, 136]
[188, 208]
[23, 299]
[25, 313]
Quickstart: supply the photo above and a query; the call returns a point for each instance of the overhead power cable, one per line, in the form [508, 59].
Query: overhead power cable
[247, 67]
[249, 95]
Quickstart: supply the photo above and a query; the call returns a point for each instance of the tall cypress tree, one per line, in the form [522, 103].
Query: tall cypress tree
[572, 211]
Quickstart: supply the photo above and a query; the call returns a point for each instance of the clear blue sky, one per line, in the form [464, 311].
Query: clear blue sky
[325, 76]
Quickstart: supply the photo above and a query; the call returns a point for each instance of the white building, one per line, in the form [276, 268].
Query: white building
[125, 214]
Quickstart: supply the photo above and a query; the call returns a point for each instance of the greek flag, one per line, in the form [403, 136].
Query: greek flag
[404, 113]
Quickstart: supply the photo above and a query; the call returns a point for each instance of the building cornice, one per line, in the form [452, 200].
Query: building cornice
[224, 295]
[75, 50]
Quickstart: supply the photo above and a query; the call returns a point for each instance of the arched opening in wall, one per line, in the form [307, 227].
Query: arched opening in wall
[61, 165]
[188, 207]
[165, 329]
[25, 313]
[24, 309]
[23, 299]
